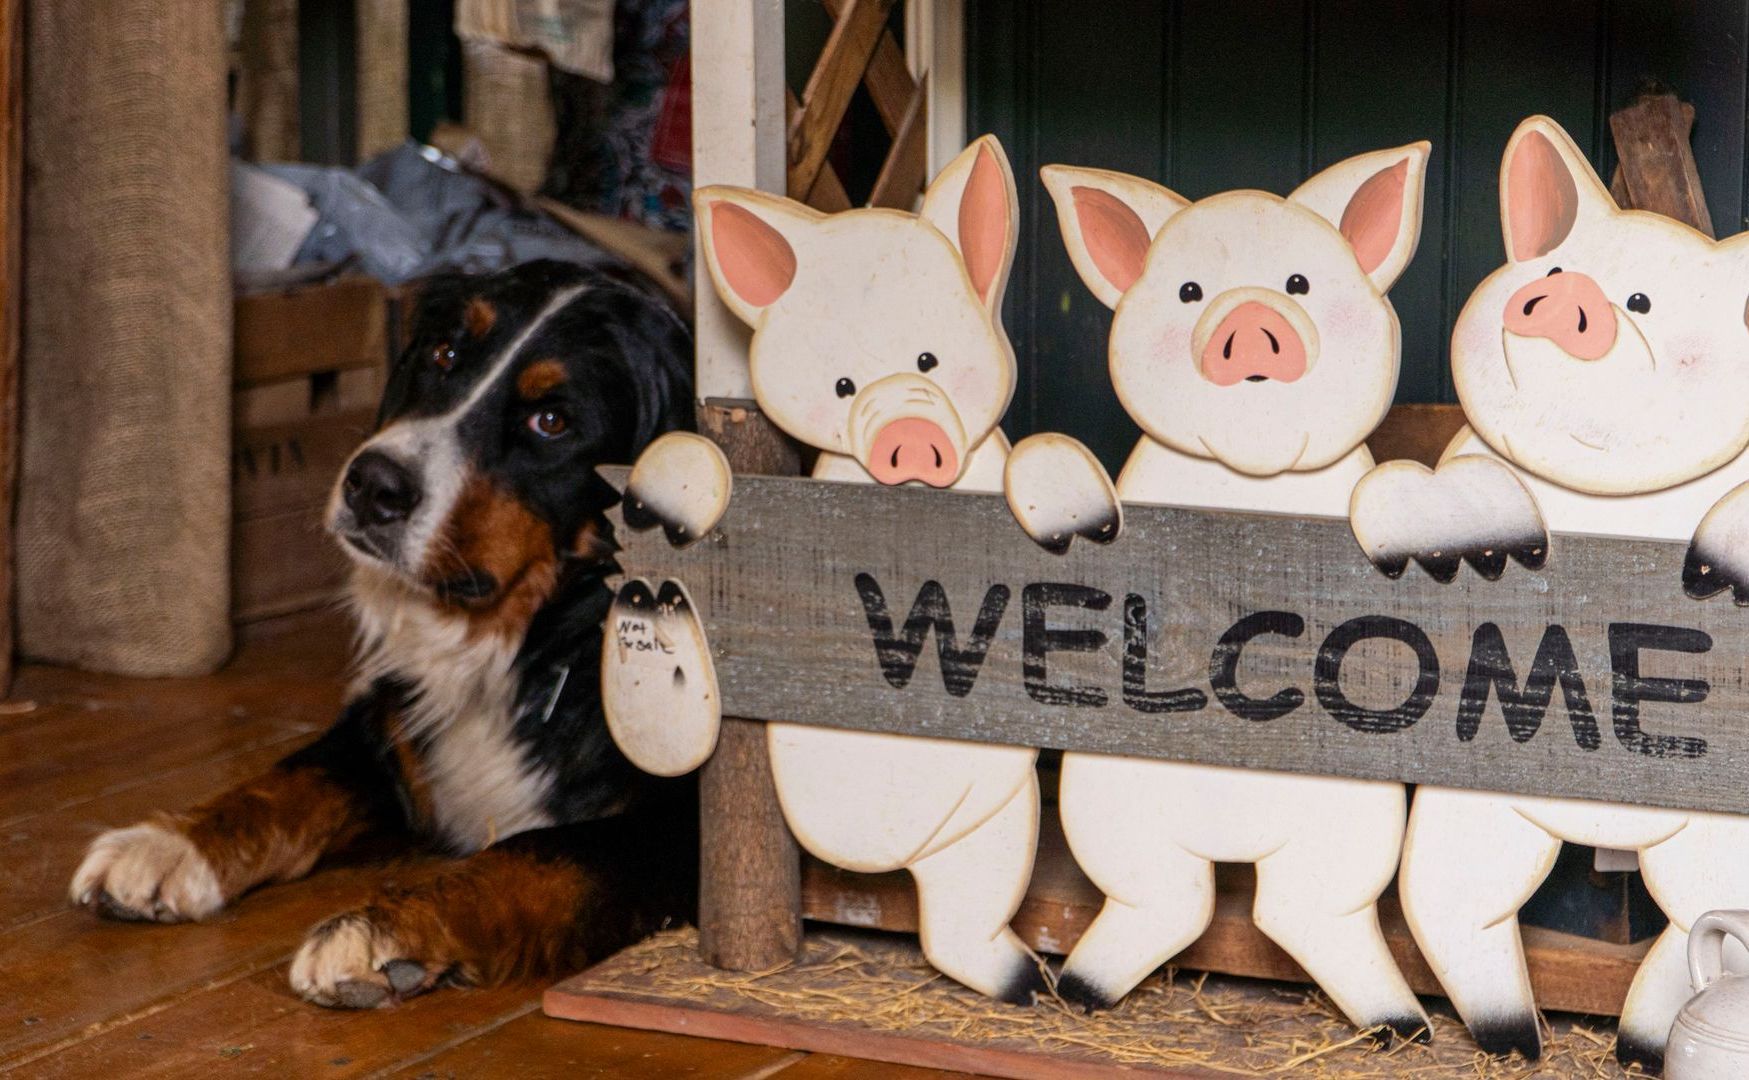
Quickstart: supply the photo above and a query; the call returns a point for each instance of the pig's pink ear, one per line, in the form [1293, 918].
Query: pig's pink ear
[749, 243]
[1108, 220]
[1375, 201]
[1546, 186]
[974, 205]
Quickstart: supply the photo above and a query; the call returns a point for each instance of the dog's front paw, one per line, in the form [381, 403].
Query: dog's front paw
[358, 961]
[146, 873]
[1471, 509]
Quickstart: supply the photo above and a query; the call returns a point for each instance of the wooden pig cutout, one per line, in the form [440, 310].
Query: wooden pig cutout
[1603, 374]
[1254, 345]
[878, 340]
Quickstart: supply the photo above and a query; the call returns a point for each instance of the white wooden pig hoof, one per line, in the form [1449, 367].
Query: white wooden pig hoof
[1718, 556]
[658, 685]
[681, 482]
[1058, 490]
[1471, 509]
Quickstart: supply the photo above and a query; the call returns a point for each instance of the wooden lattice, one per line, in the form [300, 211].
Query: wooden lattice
[861, 50]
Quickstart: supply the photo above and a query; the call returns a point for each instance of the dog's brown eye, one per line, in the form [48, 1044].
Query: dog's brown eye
[443, 356]
[548, 424]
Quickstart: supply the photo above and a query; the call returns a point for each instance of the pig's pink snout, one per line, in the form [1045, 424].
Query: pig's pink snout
[1254, 342]
[913, 449]
[1568, 309]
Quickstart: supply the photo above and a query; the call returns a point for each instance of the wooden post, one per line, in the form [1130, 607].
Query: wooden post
[381, 66]
[11, 278]
[268, 83]
[749, 909]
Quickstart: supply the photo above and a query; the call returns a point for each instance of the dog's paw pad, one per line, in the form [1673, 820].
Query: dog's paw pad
[1057, 490]
[1471, 509]
[352, 961]
[658, 684]
[146, 873]
[681, 482]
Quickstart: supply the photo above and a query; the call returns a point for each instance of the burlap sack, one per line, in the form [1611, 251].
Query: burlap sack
[124, 498]
[507, 105]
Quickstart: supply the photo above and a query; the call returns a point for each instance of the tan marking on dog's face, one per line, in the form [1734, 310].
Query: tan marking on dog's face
[539, 379]
[495, 559]
[479, 317]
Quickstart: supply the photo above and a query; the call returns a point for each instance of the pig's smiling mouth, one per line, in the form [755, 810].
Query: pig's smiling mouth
[1586, 445]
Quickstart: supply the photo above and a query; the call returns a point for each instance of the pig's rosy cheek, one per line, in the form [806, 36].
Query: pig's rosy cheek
[1173, 342]
[1343, 319]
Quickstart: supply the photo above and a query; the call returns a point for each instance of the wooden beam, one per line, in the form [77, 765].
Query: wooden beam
[905, 170]
[888, 79]
[826, 97]
[828, 194]
[1657, 163]
[1377, 666]
[381, 80]
[737, 138]
[11, 280]
[267, 89]
[935, 45]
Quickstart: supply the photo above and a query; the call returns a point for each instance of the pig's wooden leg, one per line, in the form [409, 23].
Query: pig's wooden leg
[1697, 870]
[1469, 861]
[968, 891]
[1317, 897]
[1159, 897]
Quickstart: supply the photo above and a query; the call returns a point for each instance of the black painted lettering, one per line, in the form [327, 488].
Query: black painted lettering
[1626, 640]
[1135, 668]
[1327, 674]
[1224, 666]
[1039, 639]
[1491, 667]
[898, 655]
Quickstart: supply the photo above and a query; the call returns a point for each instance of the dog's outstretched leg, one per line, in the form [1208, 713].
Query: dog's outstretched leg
[541, 904]
[188, 865]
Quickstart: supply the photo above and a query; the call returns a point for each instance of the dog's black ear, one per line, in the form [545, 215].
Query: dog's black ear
[437, 308]
[656, 347]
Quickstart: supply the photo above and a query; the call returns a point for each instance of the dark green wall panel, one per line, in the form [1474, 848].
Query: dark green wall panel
[1208, 95]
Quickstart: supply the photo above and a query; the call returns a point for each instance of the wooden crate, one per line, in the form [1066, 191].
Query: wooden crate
[310, 365]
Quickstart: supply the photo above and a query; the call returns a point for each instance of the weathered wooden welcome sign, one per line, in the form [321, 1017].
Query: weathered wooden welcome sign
[1232, 676]
[1224, 638]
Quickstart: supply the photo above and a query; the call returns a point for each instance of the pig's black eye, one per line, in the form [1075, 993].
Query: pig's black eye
[1553, 271]
[1297, 283]
[926, 361]
[1190, 292]
[845, 388]
[1639, 303]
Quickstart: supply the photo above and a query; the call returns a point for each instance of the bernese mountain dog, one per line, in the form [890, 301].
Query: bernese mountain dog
[474, 519]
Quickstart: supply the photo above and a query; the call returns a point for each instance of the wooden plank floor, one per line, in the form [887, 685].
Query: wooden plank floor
[83, 997]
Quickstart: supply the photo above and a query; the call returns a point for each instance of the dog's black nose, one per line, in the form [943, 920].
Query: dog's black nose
[378, 490]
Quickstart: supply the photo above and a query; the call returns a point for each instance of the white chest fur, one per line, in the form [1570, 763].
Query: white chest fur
[481, 785]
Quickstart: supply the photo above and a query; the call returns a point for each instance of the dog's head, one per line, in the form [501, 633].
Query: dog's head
[480, 479]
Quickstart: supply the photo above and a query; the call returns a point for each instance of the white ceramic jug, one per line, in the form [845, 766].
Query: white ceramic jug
[1710, 1038]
